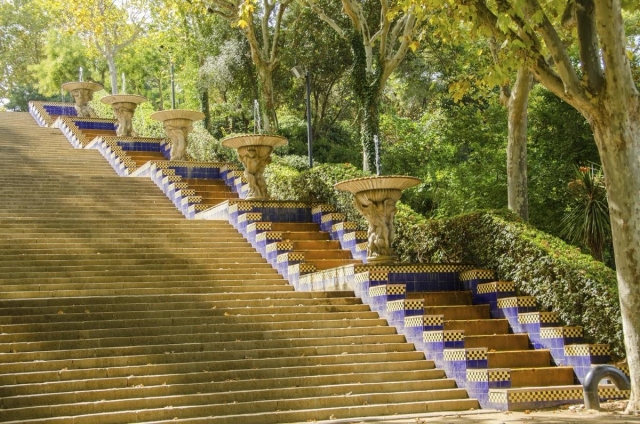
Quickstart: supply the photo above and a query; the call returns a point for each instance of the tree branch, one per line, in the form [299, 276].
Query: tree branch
[610, 27]
[323, 16]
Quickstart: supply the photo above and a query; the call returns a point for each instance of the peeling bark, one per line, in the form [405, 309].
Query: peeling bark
[517, 101]
[618, 137]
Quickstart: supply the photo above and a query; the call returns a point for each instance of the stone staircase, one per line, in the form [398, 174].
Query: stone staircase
[114, 308]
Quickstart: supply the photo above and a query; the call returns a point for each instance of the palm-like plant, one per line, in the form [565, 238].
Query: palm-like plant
[587, 221]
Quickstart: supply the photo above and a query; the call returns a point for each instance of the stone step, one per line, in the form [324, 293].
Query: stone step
[315, 245]
[200, 382]
[66, 312]
[459, 312]
[256, 402]
[498, 342]
[519, 359]
[543, 376]
[322, 264]
[226, 315]
[314, 255]
[294, 227]
[321, 385]
[449, 298]
[304, 236]
[479, 326]
[256, 338]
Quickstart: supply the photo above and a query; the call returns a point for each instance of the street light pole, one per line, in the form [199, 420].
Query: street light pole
[299, 72]
[173, 87]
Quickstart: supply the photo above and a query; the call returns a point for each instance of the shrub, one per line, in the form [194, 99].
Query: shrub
[580, 289]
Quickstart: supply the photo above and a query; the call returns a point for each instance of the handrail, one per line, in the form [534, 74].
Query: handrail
[593, 378]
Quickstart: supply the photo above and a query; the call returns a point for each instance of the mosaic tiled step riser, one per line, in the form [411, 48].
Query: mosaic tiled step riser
[521, 400]
[45, 113]
[114, 150]
[81, 131]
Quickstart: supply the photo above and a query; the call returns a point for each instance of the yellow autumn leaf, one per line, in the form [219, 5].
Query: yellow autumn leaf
[414, 45]
[241, 23]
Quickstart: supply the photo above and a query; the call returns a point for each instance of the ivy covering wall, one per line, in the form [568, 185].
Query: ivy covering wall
[581, 290]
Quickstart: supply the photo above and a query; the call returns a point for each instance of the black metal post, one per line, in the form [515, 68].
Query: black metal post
[309, 133]
[173, 89]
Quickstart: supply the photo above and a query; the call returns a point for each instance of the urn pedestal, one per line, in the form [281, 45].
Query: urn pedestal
[124, 106]
[254, 151]
[375, 198]
[178, 123]
[82, 93]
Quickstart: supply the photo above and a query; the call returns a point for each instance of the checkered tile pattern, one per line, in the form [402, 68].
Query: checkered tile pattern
[362, 247]
[283, 245]
[477, 274]
[301, 268]
[454, 355]
[332, 217]
[496, 287]
[453, 335]
[514, 302]
[343, 226]
[498, 396]
[475, 354]
[377, 291]
[537, 317]
[361, 278]
[322, 207]
[395, 305]
[432, 336]
[414, 321]
[560, 332]
[586, 350]
[291, 256]
[431, 320]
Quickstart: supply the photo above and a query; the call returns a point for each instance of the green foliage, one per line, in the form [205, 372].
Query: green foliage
[587, 222]
[315, 185]
[560, 140]
[203, 146]
[64, 55]
[581, 290]
[458, 152]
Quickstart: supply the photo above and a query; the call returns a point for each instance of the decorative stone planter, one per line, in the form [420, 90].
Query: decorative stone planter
[178, 124]
[375, 198]
[82, 93]
[124, 106]
[254, 151]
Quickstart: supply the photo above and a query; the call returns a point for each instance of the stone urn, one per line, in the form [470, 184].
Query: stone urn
[254, 151]
[375, 198]
[124, 106]
[82, 93]
[178, 124]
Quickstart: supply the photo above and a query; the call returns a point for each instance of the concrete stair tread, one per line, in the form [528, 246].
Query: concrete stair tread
[192, 406]
[542, 376]
[498, 342]
[304, 385]
[448, 298]
[531, 358]
[478, 326]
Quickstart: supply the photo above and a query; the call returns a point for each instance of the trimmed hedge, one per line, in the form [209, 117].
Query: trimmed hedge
[581, 290]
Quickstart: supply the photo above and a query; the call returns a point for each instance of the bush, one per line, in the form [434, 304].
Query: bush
[580, 289]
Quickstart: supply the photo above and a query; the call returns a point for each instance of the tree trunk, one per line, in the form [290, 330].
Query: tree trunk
[113, 73]
[517, 104]
[204, 107]
[365, 90]
[617, 135]
[269, 119]
[369, 127]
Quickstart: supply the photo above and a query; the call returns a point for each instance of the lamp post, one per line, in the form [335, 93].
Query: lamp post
[299, 72]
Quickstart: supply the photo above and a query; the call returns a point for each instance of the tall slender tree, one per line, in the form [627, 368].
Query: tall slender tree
[379, 44]
[262, 24]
